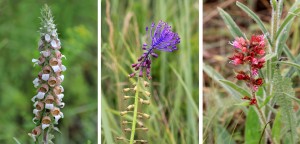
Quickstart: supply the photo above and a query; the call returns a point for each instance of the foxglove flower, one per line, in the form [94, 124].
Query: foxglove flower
[48, 99]
[162, 38]
[250, 53]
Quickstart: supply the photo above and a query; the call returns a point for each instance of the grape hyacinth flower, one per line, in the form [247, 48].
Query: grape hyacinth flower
[48, 100]
[250, 53]
[160, 38]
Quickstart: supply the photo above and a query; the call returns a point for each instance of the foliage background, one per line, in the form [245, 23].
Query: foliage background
[77, 27]
[175, 94]
[224, 122]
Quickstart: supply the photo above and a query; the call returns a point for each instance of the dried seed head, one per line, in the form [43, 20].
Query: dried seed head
[135, 88]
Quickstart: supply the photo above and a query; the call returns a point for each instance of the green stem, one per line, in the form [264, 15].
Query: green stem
[136, 102]
[46, 136]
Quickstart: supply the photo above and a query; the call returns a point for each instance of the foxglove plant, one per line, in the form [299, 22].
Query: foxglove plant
[48, 100]
[162, 38]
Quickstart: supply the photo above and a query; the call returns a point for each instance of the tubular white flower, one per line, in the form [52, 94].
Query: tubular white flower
[47, 38]
[60, 96]
[56, 68]
[36, 82]
[35, 61]
[62, 77]
[33, 99]
[45, 126]
[46, 53]
[45, 77]
[63, 68]
[35, 111]
[54, 44]
[49, 106]
[40, 95]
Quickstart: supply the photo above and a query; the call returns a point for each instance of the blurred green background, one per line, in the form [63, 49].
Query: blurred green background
[77, 27]
[175, 84]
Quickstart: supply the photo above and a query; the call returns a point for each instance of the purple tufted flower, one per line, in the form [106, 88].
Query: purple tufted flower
[161, 38]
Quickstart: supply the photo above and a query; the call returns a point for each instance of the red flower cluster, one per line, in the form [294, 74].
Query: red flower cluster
[250, 53]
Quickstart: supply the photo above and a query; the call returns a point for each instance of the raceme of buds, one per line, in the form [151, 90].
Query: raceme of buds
[250, 53]
[48, 100]
[161, 38]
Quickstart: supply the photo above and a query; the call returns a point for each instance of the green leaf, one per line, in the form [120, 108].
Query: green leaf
[277, 127]
[255, 18]
[290, 64]
[231, 25]
[237, 88]
[252, 129]
[285, 85]
[216, 77]
[286, 21]
[266, 101]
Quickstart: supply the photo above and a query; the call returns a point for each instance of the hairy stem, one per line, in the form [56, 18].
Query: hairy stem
[136, 102]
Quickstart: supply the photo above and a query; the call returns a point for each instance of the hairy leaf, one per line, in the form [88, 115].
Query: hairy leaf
[232, 26]
[285, 85]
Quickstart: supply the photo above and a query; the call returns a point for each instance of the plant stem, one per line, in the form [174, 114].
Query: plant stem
[136, 102]
[46, 136]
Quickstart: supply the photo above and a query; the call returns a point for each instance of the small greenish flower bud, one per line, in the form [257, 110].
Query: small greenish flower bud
[146, 116]
[146, 84]
[127, 130]
[147, 93]
[123, 113]
[130, 107]
[126, 89]
[127, 97]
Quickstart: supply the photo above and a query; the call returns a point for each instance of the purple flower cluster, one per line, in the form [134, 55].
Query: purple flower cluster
[161, 38]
